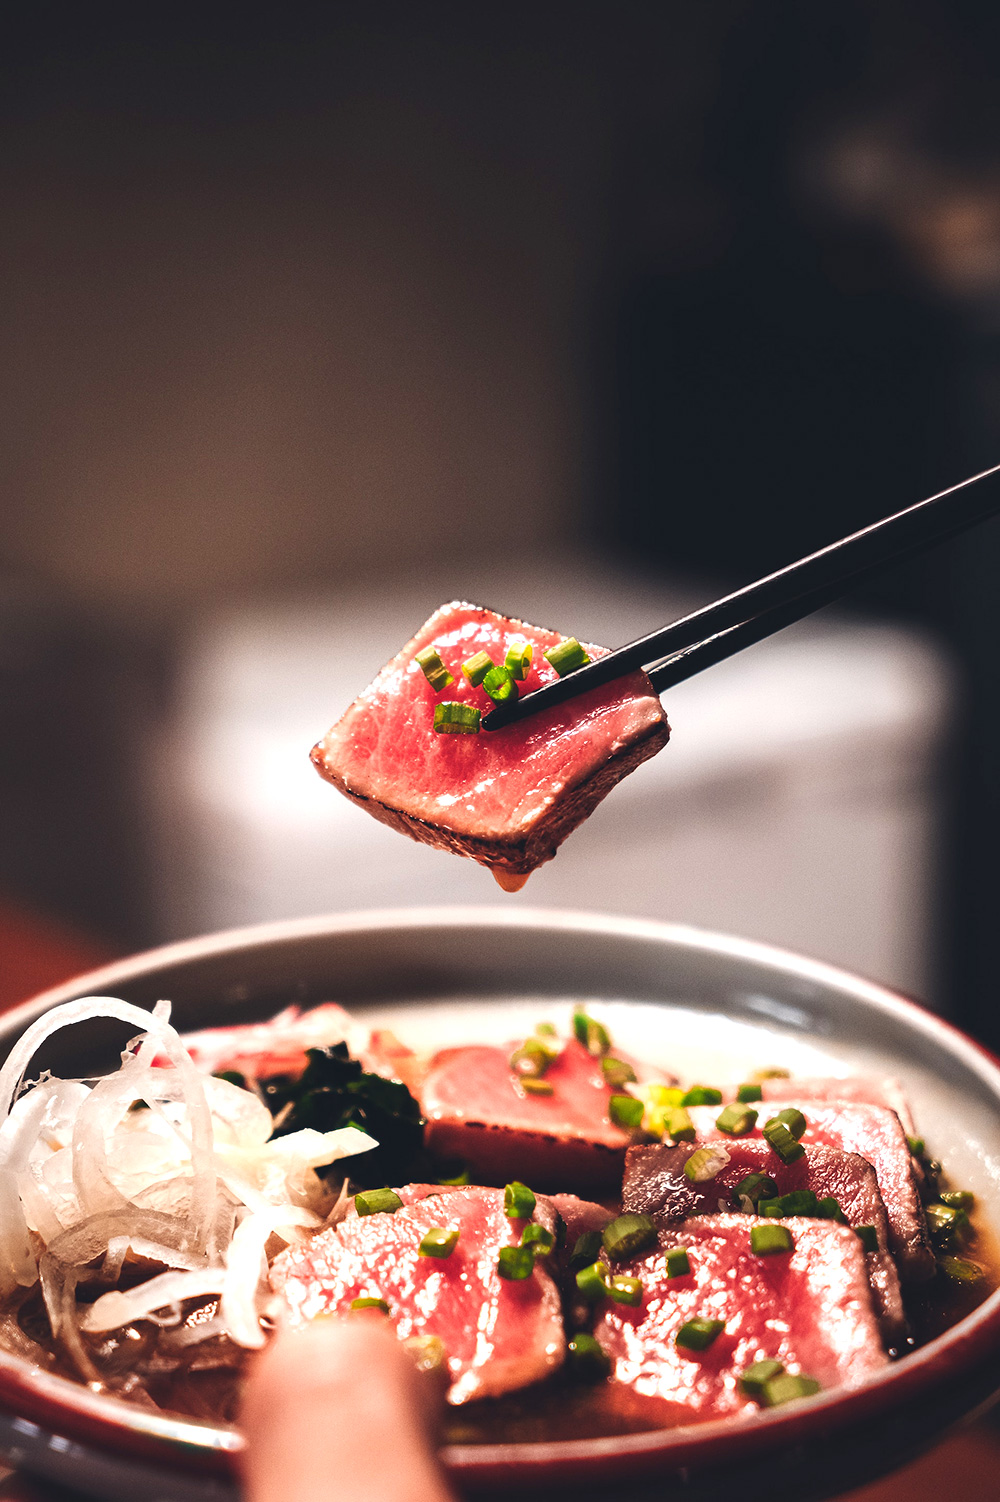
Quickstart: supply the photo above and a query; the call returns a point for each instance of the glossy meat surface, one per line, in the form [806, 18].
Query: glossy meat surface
[477, 1111]
[809, 1308]
[870, 1089]
[498, 1334]
[508, 797]
[877, 1135]
[655, 1184]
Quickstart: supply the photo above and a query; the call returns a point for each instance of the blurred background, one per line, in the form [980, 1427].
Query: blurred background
[586, 311]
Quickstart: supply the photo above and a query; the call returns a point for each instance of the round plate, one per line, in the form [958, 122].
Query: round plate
[700, 1003]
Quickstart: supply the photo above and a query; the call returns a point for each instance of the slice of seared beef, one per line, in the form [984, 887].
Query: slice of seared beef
[655, 1184]
[509, 797]
[498, 1334]
[877, 1135]
[809, 1308]
[477, 1111]
[875, 1090]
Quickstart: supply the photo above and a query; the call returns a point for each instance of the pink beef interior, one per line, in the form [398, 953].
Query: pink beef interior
[508, 797]
[809, 1308]
[498, 1334]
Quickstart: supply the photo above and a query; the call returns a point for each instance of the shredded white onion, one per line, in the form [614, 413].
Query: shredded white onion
[154, 1164]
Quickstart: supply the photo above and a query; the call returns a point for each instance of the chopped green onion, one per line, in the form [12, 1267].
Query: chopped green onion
[377, 1202]
[231, 1077]
[678, 1262]
[537, 1087]
[698, 1334]
[664, 1095]
[766, 1240]
[755, 1187]
[958, 1199]
[796, 1202]
[475, 668]
[546, 1030]
[771, 1074]
[792, 1119]
[538, 1237]
[786, 1388]
[702, 1095]
[868, 1236]
[434, 670]
[780, 1139]
[705, 1163]
[428, 1352]
[616, 1072]
[531, 1058]
[452, 717]
[518, 1201]
[439, 1242]
[625, 1111]
[960, 1269]
[678, 1125]
[917, 1146]
[592, 1034]
[500, 685]
[587, 1359]
[946, 1223]
[587, 1249]
[626, 1235]
[769, 1207]
[518, 659]
[747, 1093]
[734, 1120]
[516, 1262]
[828, 1208]
[566, 656]
[592, 1282]
[753, 1378]
[370, 1304]
[457, 1179]
[625, 1290]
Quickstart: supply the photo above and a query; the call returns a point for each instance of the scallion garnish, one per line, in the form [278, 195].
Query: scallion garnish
[677, 1124]
[586, 1249]
[460, 1177]
[531, 1058]
[476, 667]
[958, 1199]
[705, 1163]
[791, 1118]
[753, 1378]
[828, 1208]
[736, 1119]
[377, 1201]
[518, 1201]
[592, 1282]
[518, 659]
[625, 1111]
[617, 1073]
[960, 1269]
[500, 686]
[747, 1093]
[434, 670]
[440, 1241]
[917, 1146]
[452, 717]
[946, 1223]
[626, 1235]
[795, 1202]
[702, 1095]
[625, 1290]
[786, 1388]
[539, 1238]
[766, 1240]
[678, 1262]
[516, 1262]
[771, 1074]
[780, 1139]
[536, 1087]
[868, 1236]
[379, 1304]
[664, 1096]
[698, 1334]
[566, 656]
[592, 1034]
[587, 1359]
[755, 1187]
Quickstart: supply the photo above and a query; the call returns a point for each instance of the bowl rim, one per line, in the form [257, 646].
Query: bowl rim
[106, 1422]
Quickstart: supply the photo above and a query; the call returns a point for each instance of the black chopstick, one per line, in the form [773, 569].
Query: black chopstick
[717, 631]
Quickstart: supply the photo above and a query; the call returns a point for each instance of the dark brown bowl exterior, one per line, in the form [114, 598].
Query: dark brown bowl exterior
[810, 1450]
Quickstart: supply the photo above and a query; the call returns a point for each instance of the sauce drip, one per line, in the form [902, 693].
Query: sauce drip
[509, 881]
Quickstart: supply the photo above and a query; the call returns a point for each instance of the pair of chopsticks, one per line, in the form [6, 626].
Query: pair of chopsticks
[717, 631]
